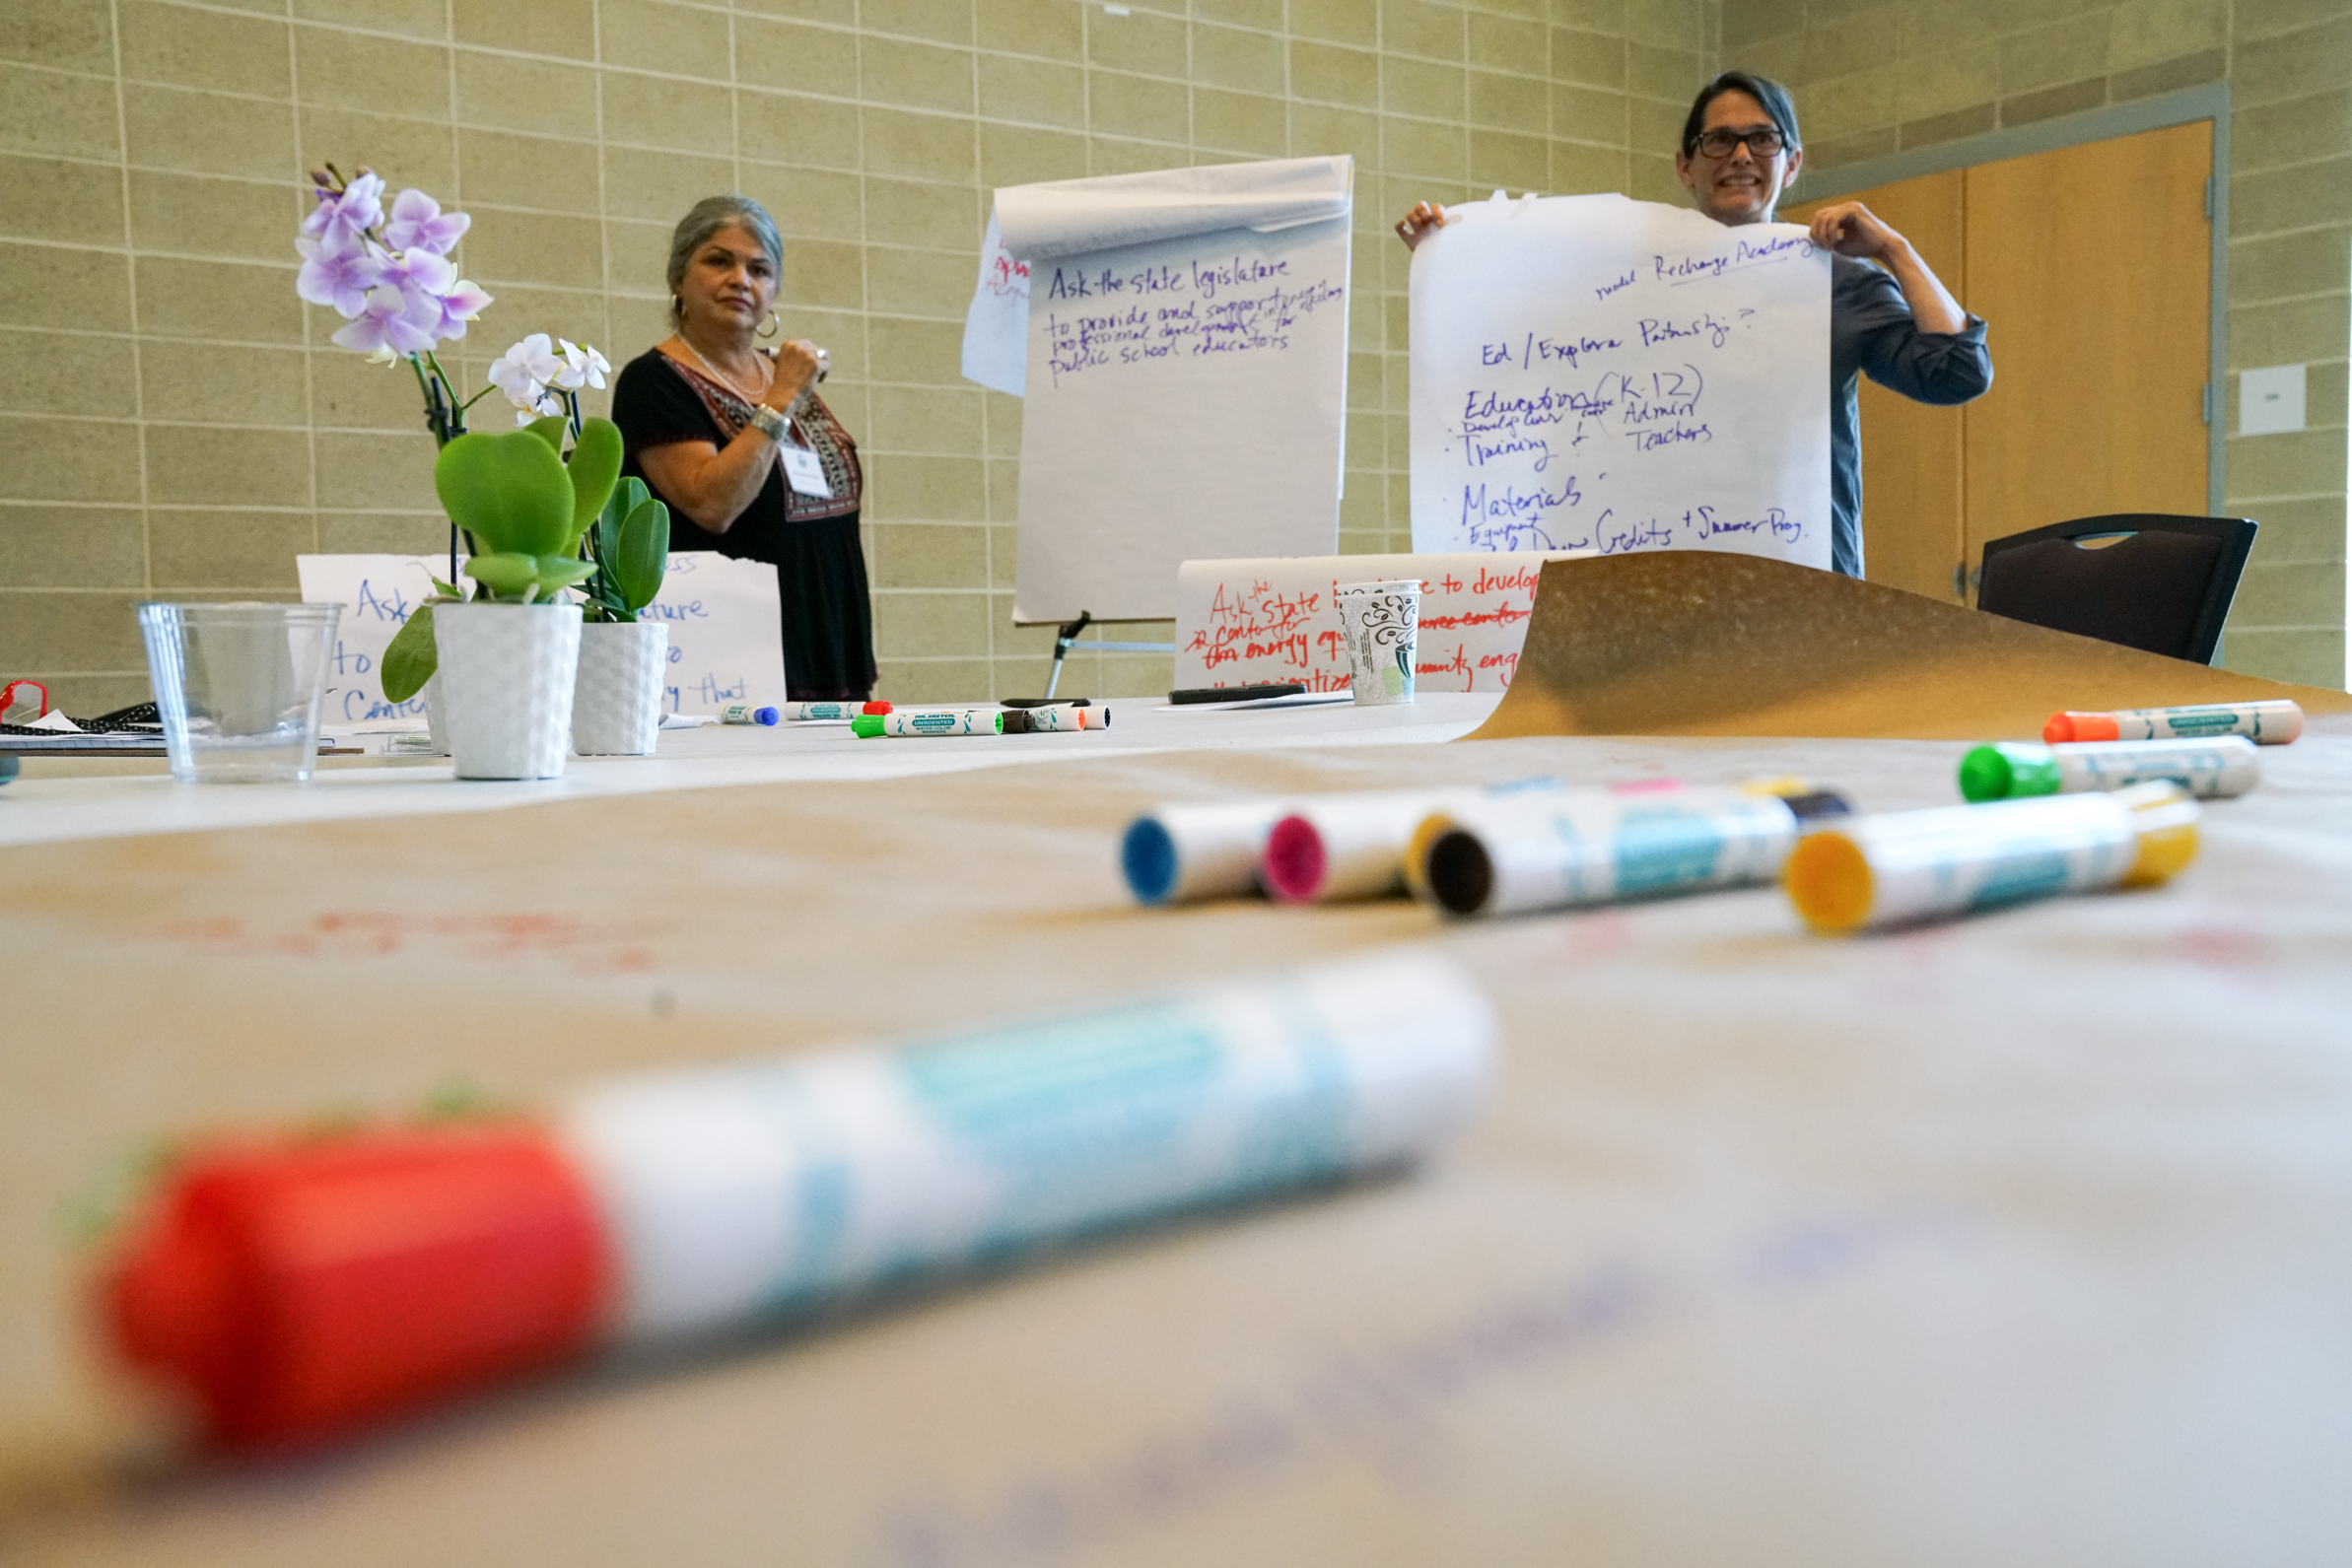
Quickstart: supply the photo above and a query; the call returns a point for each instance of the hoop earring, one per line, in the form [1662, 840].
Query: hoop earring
[775, 325]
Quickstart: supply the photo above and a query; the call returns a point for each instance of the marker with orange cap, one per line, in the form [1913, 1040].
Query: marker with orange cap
[299, 1289]
[2009, 771]
[1907, 867]
[2265, 723]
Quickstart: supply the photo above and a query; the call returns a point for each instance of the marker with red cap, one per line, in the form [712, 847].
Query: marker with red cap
[301, 1289]
[831, 712]
[2265, 723]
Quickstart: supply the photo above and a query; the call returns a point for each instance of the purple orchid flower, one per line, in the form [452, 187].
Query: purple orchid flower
[394, 322]
[338, 271]
[356, 209]
[419, 272]
[418, 224]
[461, 303]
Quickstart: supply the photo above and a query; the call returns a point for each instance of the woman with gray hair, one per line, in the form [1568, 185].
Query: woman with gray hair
[750, 460]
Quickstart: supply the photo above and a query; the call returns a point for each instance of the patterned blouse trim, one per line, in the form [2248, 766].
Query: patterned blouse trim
[813, 427]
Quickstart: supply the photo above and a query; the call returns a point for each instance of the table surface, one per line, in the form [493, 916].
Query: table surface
[62, 797]
[2026, 1239]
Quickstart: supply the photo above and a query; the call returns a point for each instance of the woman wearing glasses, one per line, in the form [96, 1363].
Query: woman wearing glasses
[1889, 317]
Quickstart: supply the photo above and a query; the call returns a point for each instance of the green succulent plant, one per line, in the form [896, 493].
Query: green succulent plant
[631, 547]
[526, 510]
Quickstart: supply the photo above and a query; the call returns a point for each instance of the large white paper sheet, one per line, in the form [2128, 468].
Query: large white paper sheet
[1067, 217]
[997, 327]
[1186, 398]
[1270, 619]
[1596, 374]
[723, 618]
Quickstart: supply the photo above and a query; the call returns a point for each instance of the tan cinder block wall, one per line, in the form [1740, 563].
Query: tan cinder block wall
[1873, 79]
[174, 423]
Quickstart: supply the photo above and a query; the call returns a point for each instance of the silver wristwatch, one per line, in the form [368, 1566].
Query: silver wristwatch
[769, 423]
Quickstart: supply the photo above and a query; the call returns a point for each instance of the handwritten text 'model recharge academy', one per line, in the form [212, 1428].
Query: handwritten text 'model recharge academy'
[1160, 313]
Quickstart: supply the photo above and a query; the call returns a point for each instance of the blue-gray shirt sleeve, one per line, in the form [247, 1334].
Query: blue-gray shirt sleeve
[1876, 334]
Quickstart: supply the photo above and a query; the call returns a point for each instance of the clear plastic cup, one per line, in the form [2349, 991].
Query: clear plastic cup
[1381, 623]
[237, 687]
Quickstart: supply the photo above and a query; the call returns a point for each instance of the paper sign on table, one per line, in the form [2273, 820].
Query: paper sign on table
[1596, 374]
[1270, 619]
[723, 618]
[1184, 371]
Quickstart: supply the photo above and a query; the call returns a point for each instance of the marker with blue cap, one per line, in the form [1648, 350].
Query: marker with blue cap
[749, 714]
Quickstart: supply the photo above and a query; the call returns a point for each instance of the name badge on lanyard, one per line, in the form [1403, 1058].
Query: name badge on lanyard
[804, 471]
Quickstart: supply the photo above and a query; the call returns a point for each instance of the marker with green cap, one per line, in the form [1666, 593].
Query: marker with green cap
[2223, 767]
[928, 722]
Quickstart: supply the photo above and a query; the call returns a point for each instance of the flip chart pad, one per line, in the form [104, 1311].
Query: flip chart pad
[1596, 374]
[1692, 643]
[726, 644]
[997, 327]
[1270, 618]
[1186, 372]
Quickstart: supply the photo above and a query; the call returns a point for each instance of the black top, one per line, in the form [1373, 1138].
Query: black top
[820, 571]
[1871, 333]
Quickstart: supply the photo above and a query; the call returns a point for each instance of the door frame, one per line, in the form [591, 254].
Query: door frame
[2208, 102]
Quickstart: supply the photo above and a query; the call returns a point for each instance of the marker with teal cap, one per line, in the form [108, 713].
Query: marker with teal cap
[2226, 766]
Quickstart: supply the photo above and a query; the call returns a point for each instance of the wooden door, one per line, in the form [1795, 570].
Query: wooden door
[1914, 477]
[2093, 265]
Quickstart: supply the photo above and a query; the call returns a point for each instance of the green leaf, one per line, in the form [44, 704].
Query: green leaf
[595, 464]
[448, 590]
[561, 572]
[411, 657]
[644, 556]
[508, 575]
[511, 492]
[550, 430]
[629, 494]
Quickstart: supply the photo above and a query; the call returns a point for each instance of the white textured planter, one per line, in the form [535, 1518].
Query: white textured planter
[616, 702]
[505, 678]
[435, 729]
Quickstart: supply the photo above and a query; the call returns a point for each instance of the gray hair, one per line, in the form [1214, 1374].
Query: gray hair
[705, 219]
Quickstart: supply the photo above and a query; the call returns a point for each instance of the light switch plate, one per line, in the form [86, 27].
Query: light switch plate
[2271, 400]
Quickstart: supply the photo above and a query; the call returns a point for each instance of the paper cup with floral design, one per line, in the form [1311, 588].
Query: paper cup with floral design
[1381, 623]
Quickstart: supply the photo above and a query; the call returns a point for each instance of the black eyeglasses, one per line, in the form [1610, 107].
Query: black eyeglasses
[1764, 143]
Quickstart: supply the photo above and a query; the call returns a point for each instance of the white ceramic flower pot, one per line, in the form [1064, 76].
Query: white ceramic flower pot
[616, 702]
[505, 678]
[430, 694]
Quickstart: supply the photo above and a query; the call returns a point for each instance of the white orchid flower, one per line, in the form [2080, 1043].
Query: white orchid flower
[524, 372]
[583, 366]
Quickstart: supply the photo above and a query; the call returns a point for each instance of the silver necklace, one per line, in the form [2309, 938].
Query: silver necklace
[725, 379]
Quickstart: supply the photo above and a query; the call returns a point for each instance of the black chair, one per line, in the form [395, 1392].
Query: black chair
[2166, 586]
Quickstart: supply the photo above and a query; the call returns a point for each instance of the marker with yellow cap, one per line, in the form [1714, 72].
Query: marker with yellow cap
[2209, 769]
[2265, 723]
[1908, 866]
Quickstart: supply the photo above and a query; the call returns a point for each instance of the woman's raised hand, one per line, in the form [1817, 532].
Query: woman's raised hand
[797, 366]
[1849, 229]
[1418, 223]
